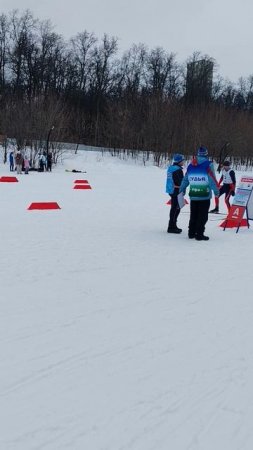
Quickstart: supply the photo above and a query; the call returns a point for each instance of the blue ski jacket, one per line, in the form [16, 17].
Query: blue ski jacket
[174, 178]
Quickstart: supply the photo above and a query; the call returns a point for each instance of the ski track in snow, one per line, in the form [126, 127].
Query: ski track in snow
[115, 335]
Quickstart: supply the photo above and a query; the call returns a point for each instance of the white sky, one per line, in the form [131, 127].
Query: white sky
[219, 28]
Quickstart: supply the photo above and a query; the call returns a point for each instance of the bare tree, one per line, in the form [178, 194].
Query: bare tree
[161, 74]
[102, 76]
[4, 28]
[81, 51]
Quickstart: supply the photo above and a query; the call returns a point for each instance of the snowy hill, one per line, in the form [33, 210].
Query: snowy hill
[115, 335]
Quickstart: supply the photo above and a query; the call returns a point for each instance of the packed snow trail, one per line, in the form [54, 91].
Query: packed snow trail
[115, 335]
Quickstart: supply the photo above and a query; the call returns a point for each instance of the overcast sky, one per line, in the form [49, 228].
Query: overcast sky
[220, 28]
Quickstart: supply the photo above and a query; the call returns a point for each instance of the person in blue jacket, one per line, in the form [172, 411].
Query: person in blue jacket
[11, 160]
[200, 176]
[174, 178]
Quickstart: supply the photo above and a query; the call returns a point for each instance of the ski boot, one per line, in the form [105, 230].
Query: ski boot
[215, 210]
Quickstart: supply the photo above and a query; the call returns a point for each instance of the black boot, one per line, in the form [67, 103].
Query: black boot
[179, 229]
[201, 237]
[174, 230]
[215, 210]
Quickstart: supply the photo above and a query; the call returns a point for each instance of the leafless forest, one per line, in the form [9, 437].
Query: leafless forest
[84, 91]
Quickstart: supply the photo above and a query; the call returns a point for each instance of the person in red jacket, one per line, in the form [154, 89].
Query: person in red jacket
[227, 185]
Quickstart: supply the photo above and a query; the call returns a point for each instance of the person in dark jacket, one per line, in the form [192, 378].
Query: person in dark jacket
[201, 178]
[49, 162]
[228, 181]
[174, 178]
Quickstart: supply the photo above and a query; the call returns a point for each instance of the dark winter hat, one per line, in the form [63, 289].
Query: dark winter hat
[177, 158]
[202, 151]
[227, 163]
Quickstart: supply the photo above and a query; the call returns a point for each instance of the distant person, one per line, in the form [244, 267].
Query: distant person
[11, 161]
[19, 162]
[201, 178]
[41, 163]
[49, 162]
[44, 161]
[26, 165]
[174, 179]
[75, 171]
[228, 187]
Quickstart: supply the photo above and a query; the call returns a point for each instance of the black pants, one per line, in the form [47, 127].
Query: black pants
[225, 189]
[174, 211]
[198, 217]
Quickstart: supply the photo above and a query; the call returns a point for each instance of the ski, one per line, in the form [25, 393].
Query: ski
[217, 220]
[210, 214]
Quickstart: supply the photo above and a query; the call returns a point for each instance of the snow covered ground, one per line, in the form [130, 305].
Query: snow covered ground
[115, 335]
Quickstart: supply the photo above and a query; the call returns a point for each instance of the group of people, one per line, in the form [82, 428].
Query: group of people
[19, 162]
[45, 162]
[201, 179]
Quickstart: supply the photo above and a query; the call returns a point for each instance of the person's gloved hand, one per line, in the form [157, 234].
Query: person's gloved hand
[232, 189]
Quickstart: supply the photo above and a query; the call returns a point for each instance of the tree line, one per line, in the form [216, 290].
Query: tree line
[83, 91]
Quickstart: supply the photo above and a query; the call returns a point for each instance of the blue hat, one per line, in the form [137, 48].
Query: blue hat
[177, 158]
[202, 151]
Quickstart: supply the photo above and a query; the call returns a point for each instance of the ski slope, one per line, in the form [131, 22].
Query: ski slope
[115, 335]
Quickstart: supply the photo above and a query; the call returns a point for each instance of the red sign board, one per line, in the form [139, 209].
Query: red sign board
[235, 218]
[246, 180]
[241, 203]
[236, 213]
